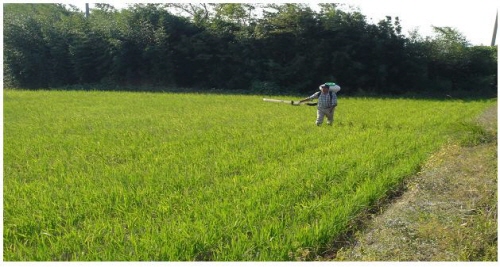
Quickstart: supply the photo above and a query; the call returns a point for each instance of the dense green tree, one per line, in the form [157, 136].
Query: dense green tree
[35, 47]
[240, 14]
[287, 47]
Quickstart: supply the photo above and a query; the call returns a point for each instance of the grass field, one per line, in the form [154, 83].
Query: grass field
[118, 176]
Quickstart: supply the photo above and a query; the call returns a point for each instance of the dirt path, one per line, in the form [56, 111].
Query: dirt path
[448, 213]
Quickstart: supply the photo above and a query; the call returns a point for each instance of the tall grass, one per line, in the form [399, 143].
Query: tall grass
[166, 177]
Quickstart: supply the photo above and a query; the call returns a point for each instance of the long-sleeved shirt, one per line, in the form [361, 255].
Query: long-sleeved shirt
[327, 100]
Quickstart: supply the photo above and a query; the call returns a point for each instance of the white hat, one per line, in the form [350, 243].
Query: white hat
[324, 85]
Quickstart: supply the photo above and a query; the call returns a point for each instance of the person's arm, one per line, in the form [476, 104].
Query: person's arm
[304, 100]
[315, 95]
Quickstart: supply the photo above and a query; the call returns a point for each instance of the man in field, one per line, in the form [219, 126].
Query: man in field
[327, 101]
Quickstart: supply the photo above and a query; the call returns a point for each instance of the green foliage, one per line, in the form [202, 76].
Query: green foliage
[227, 46]
[473, 134]
[25, 48]
[453, 60]
[107, 176]
[240, 14]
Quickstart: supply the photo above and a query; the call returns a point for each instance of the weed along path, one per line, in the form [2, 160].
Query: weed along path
[448, 213]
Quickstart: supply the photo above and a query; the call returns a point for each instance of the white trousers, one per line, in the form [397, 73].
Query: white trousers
[322, 112]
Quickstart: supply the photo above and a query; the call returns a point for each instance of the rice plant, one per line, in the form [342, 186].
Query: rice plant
[121, 176]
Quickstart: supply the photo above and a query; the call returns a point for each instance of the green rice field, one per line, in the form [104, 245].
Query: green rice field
[122, 176]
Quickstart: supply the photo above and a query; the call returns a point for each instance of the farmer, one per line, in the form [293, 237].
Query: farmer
[327, 101]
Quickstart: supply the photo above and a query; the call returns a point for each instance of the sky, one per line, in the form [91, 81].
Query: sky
[474, 19]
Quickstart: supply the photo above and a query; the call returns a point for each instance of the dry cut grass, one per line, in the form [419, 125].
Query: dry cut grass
[449, 212]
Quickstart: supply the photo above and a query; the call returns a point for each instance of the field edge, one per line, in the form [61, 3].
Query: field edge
[420, 215]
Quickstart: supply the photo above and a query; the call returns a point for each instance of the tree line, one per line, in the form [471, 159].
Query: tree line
[272, 48]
